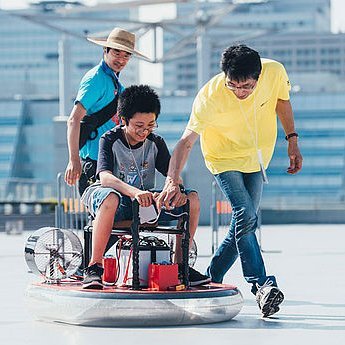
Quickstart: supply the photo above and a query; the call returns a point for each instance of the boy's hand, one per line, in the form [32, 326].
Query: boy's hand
[155, 195]
[144, 198]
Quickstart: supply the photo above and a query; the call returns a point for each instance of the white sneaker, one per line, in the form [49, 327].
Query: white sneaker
[268, 298]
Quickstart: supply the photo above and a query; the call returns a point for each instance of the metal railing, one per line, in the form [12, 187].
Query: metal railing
[26, 190]
[221, 213]
[70, 212]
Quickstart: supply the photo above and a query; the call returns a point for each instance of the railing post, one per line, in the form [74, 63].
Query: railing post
[185, 245]
[135, 245]
[58, 208]
[214, 218]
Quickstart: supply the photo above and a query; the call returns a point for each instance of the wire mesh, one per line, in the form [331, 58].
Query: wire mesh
[54, 253]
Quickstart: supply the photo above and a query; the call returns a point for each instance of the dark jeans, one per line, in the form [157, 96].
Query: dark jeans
[88, 174]
[243, 191]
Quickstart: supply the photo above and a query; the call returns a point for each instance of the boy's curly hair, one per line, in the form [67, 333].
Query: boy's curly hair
[138, 99]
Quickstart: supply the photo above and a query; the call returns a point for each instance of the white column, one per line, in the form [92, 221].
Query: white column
[64, 75]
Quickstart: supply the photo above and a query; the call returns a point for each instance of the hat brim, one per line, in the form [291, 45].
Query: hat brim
[105, 43]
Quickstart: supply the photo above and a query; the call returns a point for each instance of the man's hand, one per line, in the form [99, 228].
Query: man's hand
[179, 202]
[295, 157]
[73, 172]
[144, 198]
[170, 195]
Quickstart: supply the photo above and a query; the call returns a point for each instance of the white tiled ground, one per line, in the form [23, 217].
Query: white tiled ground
[310, 269]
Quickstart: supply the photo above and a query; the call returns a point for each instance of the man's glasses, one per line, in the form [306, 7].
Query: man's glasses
[120, 54]
[245, 87]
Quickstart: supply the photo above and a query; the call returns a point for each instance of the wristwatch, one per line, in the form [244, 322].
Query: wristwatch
[293, 134]
[182, 189]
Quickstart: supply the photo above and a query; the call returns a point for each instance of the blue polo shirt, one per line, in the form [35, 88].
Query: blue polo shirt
[97, 89]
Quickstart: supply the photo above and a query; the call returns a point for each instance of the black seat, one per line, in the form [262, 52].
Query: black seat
[133, 228]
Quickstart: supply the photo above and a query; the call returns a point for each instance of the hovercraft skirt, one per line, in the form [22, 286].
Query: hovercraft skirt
[68, 303]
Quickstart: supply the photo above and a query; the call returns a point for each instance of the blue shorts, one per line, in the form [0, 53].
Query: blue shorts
[94, 196]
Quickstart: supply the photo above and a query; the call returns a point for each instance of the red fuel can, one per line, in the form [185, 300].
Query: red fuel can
[162, 276]
[110, 270]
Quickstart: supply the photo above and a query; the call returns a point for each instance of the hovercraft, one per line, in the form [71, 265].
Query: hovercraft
[147, 291]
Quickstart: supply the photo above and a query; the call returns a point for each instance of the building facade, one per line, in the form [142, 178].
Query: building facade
[264, 24]
[33, 44]
[33, 142]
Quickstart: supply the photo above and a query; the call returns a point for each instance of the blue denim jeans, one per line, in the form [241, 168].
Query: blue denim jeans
[243, 191]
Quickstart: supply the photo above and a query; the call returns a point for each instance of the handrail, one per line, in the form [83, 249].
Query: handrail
[70, 212]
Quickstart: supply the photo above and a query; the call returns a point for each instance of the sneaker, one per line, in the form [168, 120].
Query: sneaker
[196, 278]
[269, 298]
[78, 275]
[93, 277]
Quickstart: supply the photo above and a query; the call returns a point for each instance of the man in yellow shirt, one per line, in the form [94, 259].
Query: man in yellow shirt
[235, 116]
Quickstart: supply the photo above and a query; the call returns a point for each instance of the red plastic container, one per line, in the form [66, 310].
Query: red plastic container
[162, 276]
[110, 270]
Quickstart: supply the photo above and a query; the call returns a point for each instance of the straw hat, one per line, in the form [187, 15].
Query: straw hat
[119, 39]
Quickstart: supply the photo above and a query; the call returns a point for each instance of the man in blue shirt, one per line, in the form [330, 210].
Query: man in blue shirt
[97, 89]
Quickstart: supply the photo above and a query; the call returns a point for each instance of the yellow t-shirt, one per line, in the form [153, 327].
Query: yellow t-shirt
[226, 124]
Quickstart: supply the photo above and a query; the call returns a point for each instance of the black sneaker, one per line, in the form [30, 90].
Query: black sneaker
[196, 278]
[93, 277]
[268, 298]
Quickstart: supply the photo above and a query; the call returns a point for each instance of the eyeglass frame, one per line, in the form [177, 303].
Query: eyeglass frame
[142, 129]
[244, 87]
[116, 53]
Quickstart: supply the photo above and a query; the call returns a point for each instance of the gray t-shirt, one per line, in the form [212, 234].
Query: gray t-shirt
[115, 155]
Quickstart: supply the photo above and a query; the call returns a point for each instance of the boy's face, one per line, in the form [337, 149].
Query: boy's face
[140, 126]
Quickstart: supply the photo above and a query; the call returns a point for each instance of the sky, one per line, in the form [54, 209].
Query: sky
[338, 10]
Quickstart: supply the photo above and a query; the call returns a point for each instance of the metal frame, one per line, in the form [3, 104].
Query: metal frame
[134, 229]
[70, 214]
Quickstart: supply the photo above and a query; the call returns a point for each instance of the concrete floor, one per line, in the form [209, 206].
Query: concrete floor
[308, 261]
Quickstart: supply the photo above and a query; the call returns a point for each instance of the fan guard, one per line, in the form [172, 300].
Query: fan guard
[54, 253]
[193, 251]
